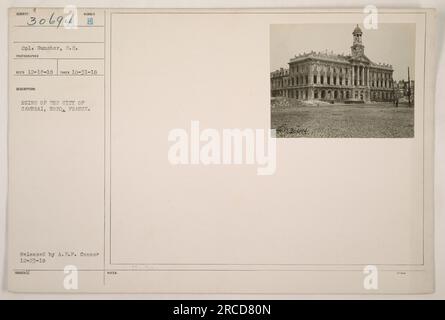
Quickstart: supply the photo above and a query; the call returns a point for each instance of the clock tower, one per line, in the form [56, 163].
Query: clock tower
[357, 49]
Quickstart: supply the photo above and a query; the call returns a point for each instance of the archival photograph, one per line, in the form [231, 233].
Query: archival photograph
[342, 80]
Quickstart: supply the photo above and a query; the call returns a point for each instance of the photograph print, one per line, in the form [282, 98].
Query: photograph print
[342, 80]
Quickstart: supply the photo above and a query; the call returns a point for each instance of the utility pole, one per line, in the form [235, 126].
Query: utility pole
[409, 90]
[395, 94]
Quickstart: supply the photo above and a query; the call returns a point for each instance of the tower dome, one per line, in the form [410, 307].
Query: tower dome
[357, 30]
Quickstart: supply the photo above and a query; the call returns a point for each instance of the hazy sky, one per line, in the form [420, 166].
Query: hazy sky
[390, 43]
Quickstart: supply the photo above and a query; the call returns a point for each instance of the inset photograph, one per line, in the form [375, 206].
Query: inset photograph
[342, 81]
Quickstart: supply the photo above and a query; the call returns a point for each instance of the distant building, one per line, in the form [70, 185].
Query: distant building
[403, 90]
[334, 77]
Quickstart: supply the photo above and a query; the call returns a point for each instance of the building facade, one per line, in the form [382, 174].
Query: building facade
[332, 77]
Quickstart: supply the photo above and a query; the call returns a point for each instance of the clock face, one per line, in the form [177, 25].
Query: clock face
[358, 50]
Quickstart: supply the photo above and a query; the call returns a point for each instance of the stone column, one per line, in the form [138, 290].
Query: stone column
[350, 77]
[357, 75]
[353, 76]
[367, 77]
[364, 76]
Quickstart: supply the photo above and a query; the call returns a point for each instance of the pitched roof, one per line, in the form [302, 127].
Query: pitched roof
[357, 30]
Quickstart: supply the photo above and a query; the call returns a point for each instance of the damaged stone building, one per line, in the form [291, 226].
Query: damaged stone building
[352, 78]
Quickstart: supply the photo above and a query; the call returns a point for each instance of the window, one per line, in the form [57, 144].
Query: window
[315, 79]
